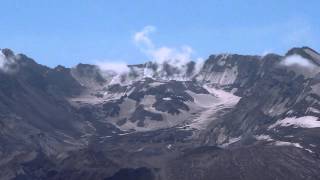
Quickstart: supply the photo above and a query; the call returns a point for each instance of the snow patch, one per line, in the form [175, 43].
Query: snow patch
[267, 138]
[203, 100]
[221, 100]
[155, 84]
[167, 98]
[148, 102]
[302, 122]
[284, 143]
[313, 110]
[263, 137]
[124, 134]
[231, 141]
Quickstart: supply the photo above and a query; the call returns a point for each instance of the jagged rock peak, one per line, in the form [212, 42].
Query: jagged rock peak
[305, 52]
[7, 52]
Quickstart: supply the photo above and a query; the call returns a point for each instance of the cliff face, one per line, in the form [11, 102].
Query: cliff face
[252, 115]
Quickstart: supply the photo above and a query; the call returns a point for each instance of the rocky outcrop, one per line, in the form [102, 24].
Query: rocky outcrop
[237, 117]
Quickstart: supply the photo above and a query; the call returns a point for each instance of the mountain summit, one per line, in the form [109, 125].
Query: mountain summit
[230, 117]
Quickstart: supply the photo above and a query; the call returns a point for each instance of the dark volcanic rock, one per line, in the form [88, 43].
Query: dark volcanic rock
[86, 123]
[141, 114]
[249, 163]
[133, 174]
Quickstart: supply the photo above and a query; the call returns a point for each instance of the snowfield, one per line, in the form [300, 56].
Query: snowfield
[302, 122]
[222, 100]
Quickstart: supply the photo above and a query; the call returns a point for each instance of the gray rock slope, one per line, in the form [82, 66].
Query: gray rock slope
[237, 117]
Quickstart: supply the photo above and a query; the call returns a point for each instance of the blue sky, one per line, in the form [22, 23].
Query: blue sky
[90, 31]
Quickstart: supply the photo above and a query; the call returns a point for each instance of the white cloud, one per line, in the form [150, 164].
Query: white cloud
[118, 67]
[176, 56]
[2, 60]
[7, 63]
[142, 38]
[297, 60]
[301, 65]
